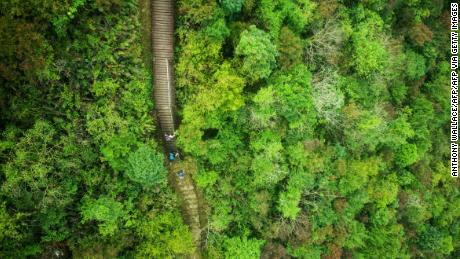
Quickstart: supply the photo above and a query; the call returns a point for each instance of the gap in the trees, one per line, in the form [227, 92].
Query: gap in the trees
[210, 133]
[227, 49]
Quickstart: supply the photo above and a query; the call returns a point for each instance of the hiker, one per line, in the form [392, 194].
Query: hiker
[181, 174]
[171, 156]
[169, 137]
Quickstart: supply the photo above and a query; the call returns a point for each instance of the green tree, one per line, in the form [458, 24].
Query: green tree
[266, 166]
[295, 102]
[383, 191]
[263, 113]
[105, 210]
[416, 67]
[297, 14]
[436, 242]
[369, 55]
[406, 155]
[258, 54]
[387, 241]
[290, 48]
[362, 128]
[242, 248]
[8, 225]
[11, 235]
[164, 236]
[358, 174]
[288, 203]
[146, 167]
[231, 6]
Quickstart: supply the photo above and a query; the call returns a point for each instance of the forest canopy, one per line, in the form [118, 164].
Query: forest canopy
[337, 143]
[317, 129]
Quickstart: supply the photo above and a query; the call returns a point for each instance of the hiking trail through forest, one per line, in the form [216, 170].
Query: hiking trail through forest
[162, 17]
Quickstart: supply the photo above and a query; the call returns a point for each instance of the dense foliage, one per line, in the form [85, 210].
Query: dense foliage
[320, 128]
[81, 173]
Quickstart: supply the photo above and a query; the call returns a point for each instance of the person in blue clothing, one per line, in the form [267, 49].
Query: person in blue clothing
[181, 174]
[171, 156]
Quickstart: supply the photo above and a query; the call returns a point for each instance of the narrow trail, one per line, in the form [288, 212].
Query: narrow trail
[164, 92]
